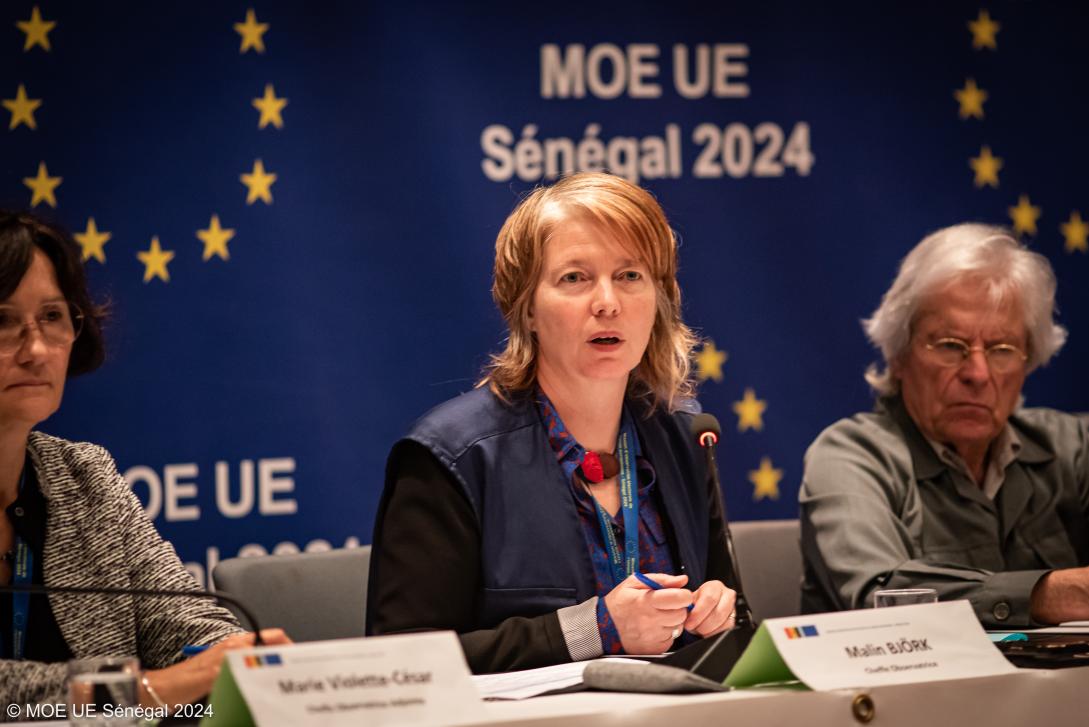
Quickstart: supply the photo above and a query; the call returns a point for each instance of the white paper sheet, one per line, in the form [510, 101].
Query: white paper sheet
[532, 682]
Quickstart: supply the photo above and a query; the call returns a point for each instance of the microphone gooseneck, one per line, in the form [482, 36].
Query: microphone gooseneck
[141, 592]
[707, 431]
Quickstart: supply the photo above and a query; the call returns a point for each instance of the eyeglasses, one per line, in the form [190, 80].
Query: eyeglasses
[58, 323]
[1002, 358]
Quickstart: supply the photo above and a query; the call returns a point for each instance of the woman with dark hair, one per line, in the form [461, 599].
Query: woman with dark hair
[67, 518]
[526, 514]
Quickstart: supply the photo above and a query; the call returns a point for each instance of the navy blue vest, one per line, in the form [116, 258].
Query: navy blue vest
[535, 558]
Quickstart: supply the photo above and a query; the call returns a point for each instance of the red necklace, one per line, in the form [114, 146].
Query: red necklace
[599, 466]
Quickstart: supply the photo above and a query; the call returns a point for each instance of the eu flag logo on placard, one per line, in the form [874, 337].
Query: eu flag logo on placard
[801, 632]
[256, 661]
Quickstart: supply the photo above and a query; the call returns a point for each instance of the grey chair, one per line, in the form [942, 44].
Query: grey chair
[311, 596]
[770, 559]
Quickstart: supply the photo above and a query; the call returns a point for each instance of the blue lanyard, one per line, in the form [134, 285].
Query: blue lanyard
[623, 564]
[20, 602]
[22, 574]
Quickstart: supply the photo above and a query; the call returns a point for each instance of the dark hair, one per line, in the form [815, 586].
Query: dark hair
[20, 233]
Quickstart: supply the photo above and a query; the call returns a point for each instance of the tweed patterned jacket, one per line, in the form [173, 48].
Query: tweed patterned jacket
[97, 535]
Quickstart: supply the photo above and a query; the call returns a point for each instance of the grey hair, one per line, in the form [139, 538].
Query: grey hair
[984, 252]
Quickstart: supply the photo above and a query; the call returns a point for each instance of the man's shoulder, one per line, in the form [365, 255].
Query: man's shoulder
[1049, 418]
[1056, 431]
[866, 451]
[872, 430]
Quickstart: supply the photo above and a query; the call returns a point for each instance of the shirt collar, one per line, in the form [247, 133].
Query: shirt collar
[563, 444]
[568, 451]
[29, 511]
[1003, 451]
[928, 464]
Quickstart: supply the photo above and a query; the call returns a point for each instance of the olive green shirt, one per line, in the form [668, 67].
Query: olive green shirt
[880, 509]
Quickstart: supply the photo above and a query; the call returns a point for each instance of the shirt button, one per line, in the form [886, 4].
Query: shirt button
[18, 512]
[1001, 611]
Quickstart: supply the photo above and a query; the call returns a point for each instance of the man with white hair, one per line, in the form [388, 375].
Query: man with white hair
[949, 483]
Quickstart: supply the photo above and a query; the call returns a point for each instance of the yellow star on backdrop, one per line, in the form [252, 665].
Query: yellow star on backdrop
[983, 31]
[270, 108]
[155, 260]
[92, 241]
[971, 99]
[765, 480]
[251, 32]
[36, 29]
[750, 412]
[1076, 233]
[1024, 215]
[709, 362]
[986, 167]
[22, 108]
[43, 186]
[259, 184]
[215, 239]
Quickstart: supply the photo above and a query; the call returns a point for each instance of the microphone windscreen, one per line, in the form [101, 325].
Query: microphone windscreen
[703, 423]
[626, 676]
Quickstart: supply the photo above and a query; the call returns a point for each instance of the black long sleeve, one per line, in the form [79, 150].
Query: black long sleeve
[426, 572]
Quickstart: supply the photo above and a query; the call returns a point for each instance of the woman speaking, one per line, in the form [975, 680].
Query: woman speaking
[523, 514]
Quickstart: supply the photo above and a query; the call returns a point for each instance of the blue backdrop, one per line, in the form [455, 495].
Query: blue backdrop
[301, 203]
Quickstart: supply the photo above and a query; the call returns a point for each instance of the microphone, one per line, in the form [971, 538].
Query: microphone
[141, 592]
[707, 431]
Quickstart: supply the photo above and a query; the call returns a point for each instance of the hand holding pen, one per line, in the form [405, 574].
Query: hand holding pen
[712, 610]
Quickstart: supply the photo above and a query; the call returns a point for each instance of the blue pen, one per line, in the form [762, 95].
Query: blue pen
[654, 586]
[190, 650]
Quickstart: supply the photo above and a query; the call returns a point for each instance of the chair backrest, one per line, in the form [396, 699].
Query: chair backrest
[311, 596]
[770, 558]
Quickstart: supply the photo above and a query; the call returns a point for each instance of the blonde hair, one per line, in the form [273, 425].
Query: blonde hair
[632, 215]
[966, 251]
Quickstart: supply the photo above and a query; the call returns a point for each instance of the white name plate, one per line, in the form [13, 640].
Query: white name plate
[412, 679]
[876, 646]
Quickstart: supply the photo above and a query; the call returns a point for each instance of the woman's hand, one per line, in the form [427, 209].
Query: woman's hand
[191, 679]
[648, 621]
[714, 610]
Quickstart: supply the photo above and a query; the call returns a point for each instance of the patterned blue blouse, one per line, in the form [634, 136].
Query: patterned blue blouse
[654, 552]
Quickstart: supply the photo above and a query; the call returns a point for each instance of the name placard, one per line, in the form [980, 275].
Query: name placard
[413, 679]
[871, 647]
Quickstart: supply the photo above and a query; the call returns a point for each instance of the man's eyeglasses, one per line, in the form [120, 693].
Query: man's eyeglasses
[58, 323]
[1002, 358]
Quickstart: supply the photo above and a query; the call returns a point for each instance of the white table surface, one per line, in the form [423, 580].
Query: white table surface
[1028, 698]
